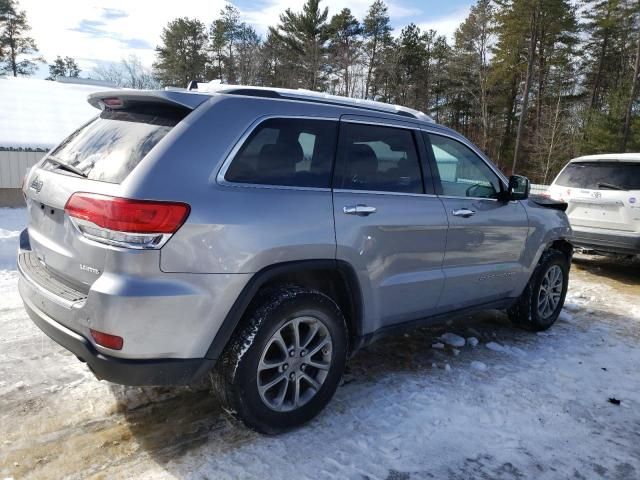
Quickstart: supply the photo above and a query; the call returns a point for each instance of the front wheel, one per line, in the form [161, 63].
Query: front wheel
[542, 300]
[285, 362]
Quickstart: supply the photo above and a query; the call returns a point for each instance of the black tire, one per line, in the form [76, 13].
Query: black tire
[525, 312]
[235, 377]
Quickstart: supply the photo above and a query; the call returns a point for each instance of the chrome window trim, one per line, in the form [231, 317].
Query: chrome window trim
[470, 146]
[382, 123]
[220, 177]
[382, 192]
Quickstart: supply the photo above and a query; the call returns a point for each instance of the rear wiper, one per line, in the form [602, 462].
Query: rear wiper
[610, 185]
[65, 166]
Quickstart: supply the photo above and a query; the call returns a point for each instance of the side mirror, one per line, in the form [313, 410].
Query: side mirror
[519, 188]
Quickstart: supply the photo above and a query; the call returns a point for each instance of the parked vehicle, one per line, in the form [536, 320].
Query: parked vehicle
[264, 235]
[603, 193]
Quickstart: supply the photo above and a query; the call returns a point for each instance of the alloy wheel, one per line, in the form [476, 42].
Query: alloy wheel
[294, 364]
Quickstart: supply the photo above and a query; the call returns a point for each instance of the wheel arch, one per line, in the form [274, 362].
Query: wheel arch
[335, 278]
[563, 245]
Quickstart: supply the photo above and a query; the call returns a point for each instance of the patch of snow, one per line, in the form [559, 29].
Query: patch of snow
[379, 425]
[41, 113]
[495, 346]
[472, 342]
[452, 340]
[565, 316]
[13, 221]
[438, 346]
[479, 366]
[572, 307]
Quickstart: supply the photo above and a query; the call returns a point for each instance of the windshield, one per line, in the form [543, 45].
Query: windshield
[113, 144]
[601, 175]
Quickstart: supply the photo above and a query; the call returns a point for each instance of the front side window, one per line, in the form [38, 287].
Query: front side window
[286, 152]
[462, 172]
[377, 158]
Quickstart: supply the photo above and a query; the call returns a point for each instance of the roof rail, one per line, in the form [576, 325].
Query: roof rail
[310, 96]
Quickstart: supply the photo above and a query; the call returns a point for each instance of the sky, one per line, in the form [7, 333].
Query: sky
[96, 31]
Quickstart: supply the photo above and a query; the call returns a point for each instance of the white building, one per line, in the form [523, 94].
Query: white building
[36, 115]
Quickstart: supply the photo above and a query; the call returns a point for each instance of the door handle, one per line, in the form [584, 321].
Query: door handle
[360, 210]
[464, 213]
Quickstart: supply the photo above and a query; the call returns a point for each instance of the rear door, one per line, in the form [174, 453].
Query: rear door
[389, 224]
[601, 194]
[96, 158]
[486, 237]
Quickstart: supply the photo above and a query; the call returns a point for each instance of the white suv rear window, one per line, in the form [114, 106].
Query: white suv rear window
[601, 176]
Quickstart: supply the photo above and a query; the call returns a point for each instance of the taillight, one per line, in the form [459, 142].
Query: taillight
[126, 222]
[107, 340]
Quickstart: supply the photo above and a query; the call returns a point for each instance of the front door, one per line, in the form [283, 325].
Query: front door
[388, 227]
[486, 237]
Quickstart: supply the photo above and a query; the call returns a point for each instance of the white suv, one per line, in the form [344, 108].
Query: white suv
[603, 193]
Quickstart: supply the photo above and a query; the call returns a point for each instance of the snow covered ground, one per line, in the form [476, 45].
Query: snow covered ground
[474, 399]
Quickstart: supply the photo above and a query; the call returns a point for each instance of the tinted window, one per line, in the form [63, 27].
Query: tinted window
[109, 147]
[462, 172]
[288, 152]
[601, 175]
[377, 158]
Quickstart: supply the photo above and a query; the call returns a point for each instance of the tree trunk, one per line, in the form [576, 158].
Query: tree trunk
[632, 98]
[484, 108]
[13, 58]
[370, 68]
[554, 129]
[598, 80]
[527, 84]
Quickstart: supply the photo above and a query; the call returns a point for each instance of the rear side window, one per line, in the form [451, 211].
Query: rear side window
[376, 158]
[289, 152]
[108, 148]
[601, 176]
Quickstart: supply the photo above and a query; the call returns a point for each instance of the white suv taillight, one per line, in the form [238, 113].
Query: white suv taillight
[139, 224]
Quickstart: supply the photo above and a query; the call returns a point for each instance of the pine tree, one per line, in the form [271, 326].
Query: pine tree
[344, 48]
[182, 56]
[376, 30]
[411, 54]
[16, 47]
[305, 35]
[224, 33]
[611, 81]
[470, 63]
[63, 67]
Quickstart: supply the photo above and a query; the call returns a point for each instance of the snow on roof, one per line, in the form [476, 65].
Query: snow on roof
[41, 113]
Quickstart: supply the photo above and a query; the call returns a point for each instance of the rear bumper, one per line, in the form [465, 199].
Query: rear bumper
[168, 371]
[607, 240]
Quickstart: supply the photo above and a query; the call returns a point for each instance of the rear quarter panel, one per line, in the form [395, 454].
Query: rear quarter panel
[233, 228]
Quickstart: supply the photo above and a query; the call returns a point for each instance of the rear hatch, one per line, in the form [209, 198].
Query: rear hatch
[601, 194]
[95, 159]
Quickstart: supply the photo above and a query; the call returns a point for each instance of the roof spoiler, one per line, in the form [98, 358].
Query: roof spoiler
[121, 98]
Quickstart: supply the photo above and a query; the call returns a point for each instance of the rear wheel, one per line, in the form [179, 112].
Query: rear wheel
[285, 362]
[542, 300]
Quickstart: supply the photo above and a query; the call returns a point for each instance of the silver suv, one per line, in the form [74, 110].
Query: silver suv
[263, 235]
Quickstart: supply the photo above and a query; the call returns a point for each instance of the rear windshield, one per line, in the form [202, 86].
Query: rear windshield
[601, 176]
[109, 147]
